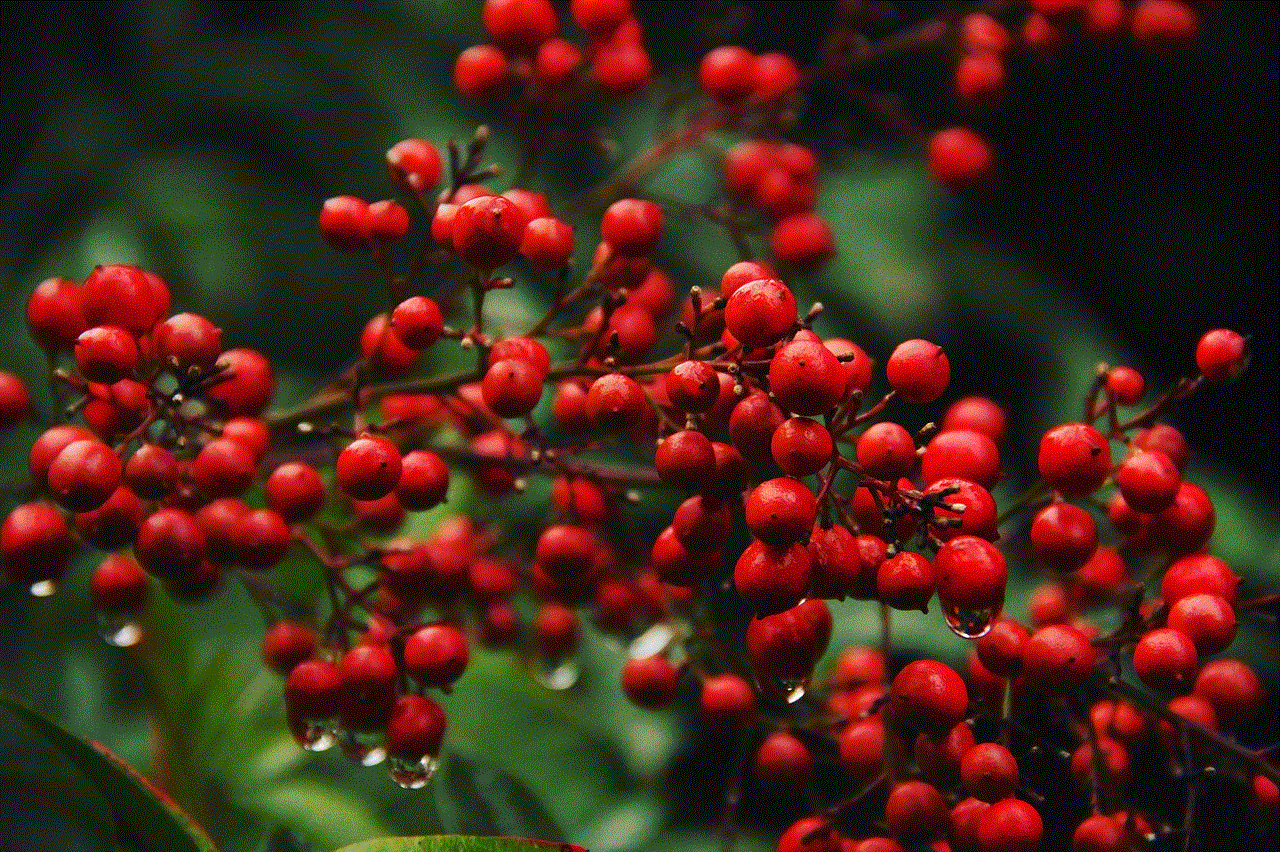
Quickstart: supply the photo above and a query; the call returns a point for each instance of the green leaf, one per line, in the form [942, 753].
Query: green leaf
[150, 822]
[454, 843]
[473, 795]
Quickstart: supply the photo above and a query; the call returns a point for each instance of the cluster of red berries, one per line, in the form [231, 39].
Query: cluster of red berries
[164, 457]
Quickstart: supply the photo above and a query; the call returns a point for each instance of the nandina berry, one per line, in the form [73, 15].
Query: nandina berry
[368, 468]
[286, 644]
[224, 467]
[260, 540]
[152, 471]
[106, 353]
[436, 655]
[55, 314]
[679, 565]
[760, 312]
[487, 231]
[518, 26]
[480, 73]
[414, 165]
[621, 66]
[1075, 458]
[886, 450]
[693, 386]
[979, 79]
[415, 728]
[964, 824]
[801, 446]
[1010, 825]
[861, 745]
[1114, 761]
[424, 480]
[916, 812]
[1149, 481]
[918, 371]
[960, 159]
[245, 384]
[344, 223]
[963, 454]
[989, 772]
[1100, 833]
[566, 551]
[785, 646]
[555, 62]
[1000, 648]
[726, 72]
[615, 402]
[295, 490]
[752, 424]
[219, 520]
[1064, 536]
[547, 243]
[599, 17]
[806, 378]
[1232, 688]
[512, 387]
[810, 834]
[906, 581]
[313, 690]
[118, 586]
[417, 322]
[36, 544]
[188, 342]
[855, 362]
[1187, 523]
[555, 629]
[650, 682]
[727, 701]
[114, 524]
[1161, 25]
[581, 497]
[1165, 659]
[782, 762]
[1208, 619]
[388, 221]
[83, 475]
[1125, 385]
[1222, 355]
[170, 544]
[774, 75]
[802, 240]
[780, 511]
[978, 516]
[685, 459]
[124, 296]
[844, 564]
[977, 413]
[1058, 659]
[632, 226]
[939, 757]
[928, 696]
[772, 578]
[1196, 574]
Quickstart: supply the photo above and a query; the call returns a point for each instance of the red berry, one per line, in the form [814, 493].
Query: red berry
[286, 644]
[615, 402]
[774, 75]
[977, 413]
[1149, 481]
[801, 446]
[918, 371]
[414, 165]
[960, 160]
[599, 17]
[726, 73]
[1199, 573]
[114, 524]
[83, 475]
[650, 682]
[693, 386]
[480, 73]
[989, 772]
[785, 646]
[1187, 523]
[1064, 536]
[1164, 24]
[487, 231]
[632, 226]
[810, 834]
[773, 578]
[781, 511]
[170, 544]
[1010, 825]
[518, 26]
[295, 490]
[224, 468]
[727, 701]
[979, 79]
[782, 762]
[1222, 354]
[1208, 619]
[1232, 688]
[963, 454]
[345, 223]
[857, 365]
[806, 378]
[152, 471]
[1114, 762]
[106, 353]
[414, 730]
[436, 655]
[123, 296]
[685, 460]
[566, 551]
[928, 697]
[1000, 648]
[1074, 459]
[556, 61]
[368, 468]
[246, 383]
[886, 451]
[760, 312]
[1058, 659]
[1125, 384]
[845, 564]
[547, 243]
[621, 66]
[313, 690]
[1166, 659]
[802, 240]
[55, 313]
[916, 812]
[512, 387]
[424, 480]
[978, 516]
[36, 544]
[906, 581]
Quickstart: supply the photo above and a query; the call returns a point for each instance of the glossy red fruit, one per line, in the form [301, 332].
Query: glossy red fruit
[989, 772]
[286, 644]
[424, 480]
[929, 697]
[1208, 619]
[806, 378]
[1222, 354]
[415, 728]
[345, 224]
[632, 226]
[772, 579]
[83, 475]
[918, 371]
[1058, 659]
[1064, 536]
[650, 682]
[886, 450]
[547, 243]
[1149, 481]
[615, 402]
[801, 446]
[962, 454]
[487, 231]
[916, 812]
[368, 468]
[436, 655]
[170, 544]
[1166, 660]
[1010, 825]
[518, 26]
[960, 159]
[55, 313]
[693, 386]
[245, 386]
[786, 646]
[417, 322]
[782, 762]
[906, 581]
[760, 312]
[727, 701]
[810, 834]
[124, 296]
[295, 490]
[1074, 458]
[414, 165]
[802, 240]
[685, 459]
[480, 73]
[36, 544]
[106, 353]
[780, 511]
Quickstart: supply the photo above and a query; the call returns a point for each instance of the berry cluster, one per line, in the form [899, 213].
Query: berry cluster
[163, 457]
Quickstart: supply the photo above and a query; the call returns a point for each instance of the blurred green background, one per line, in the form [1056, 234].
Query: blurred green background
[1137, 206]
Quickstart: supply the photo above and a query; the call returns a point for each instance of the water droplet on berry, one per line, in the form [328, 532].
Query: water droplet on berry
[558, 674]
[969, 623]
[362, 747]
[119, 629]
[43, 588]
[650, 642]
[794, 690]
[412, 775]
[314, 734]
